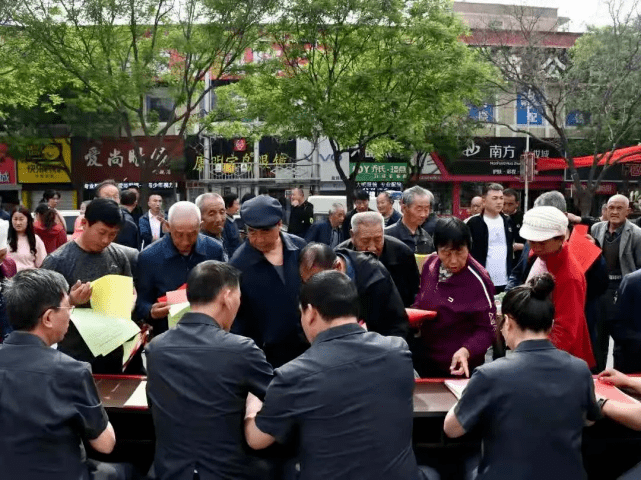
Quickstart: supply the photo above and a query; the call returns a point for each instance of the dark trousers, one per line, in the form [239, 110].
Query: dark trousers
[111, 471]
[607, 314]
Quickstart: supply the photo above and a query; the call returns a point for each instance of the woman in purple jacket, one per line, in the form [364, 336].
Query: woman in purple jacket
[460, 290]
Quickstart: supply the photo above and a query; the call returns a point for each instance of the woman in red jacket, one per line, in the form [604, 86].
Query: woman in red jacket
[52, 233]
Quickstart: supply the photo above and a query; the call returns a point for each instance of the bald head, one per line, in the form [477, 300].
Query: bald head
[212, 213]
[618, 210]
[184, 225]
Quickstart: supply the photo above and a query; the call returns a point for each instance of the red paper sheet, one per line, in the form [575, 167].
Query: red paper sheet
[417, 316]
[175, 297]
[612, 393]
[583, 249]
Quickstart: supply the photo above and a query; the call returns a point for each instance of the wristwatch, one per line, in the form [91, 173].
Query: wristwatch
[601, 402]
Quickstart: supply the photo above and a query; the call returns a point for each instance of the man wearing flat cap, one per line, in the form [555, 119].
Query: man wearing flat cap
[270, 282]
[545, 229]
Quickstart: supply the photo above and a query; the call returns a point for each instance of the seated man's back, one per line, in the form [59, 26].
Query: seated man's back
[199, 376]
[348, 397]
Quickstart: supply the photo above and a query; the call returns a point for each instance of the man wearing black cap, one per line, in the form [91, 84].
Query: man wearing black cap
[270, 283]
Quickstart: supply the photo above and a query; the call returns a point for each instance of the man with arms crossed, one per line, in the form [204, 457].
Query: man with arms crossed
[349, 396]
[199, 376]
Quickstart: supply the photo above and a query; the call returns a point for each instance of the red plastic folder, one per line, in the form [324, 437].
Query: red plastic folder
[583, 250]
[417, 316]
[175, 297]
[612, 393]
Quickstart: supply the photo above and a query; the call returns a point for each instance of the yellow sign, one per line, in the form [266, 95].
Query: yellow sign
[45, 164]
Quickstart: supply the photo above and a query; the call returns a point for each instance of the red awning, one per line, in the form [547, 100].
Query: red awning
[621, 155]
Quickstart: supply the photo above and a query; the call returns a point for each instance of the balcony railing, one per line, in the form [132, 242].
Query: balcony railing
[279, 172]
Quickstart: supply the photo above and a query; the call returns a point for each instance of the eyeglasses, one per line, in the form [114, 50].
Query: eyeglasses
[71, 309]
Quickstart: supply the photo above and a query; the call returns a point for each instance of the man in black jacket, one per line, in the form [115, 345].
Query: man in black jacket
[302, 214]
[381, 305]
[493, 236]
[398, 258]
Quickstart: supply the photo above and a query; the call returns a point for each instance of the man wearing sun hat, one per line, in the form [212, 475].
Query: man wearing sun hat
[545, 229]
[270, 283]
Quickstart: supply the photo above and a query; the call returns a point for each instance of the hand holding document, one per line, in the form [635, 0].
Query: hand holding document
[108, 325]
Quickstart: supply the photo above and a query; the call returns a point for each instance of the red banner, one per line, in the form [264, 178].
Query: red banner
[114, 158]
[7, 167]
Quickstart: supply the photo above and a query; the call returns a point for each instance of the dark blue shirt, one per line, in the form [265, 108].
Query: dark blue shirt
[128, 234]
[144, 227]
[269, 307]
[231, 236]
[530, 408]
[393, 218]
[162, 269]
[349, 398]
[48, 404]
[420, 242]
[198, 380]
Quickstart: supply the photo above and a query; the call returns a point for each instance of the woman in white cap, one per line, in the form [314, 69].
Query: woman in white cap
[545, 229]
[530, 407]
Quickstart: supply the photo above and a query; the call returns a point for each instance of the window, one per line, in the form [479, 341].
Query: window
[162, 107]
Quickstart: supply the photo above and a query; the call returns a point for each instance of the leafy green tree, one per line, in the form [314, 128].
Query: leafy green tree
[361, 73]
[116, 53]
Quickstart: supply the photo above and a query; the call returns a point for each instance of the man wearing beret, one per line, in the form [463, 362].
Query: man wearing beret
[270, 283]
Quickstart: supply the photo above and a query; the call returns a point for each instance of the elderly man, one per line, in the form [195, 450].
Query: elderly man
[164, 266]
[385, 207]
[90, 256]
[270, 283]
[152, 225]
[415, 205]
[128, 234]
[381, 305]
[620, 240]
[367, 236]
[49, 402]
[213, 216]
[302, 214]
[326, 400]
[329, 232]
[361, 204]
[493, 236]
[223, 368]
[476, 207]
[545, 229]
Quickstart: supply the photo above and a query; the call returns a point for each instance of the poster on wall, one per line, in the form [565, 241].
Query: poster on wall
[46, 163]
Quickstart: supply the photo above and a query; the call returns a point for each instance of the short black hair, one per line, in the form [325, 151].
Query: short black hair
[29, 293]
[510, 192]
[49, 194]
[229, 199]
[103, 184]
[104, 210]
[361, 195]
[452, 232]
[207, 279]
[247, 196]
[492, 186]
[530, 305]
[317, 255]
[128, 197]
[332, 293]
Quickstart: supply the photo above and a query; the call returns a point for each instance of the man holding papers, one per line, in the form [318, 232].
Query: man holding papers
[165, 265]
[199, 376]
[89, 257]
[49, 401]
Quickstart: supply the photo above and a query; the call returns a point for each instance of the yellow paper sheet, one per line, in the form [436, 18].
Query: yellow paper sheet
[176, 312]
[101, 333]
[113, 296]
[139, 397]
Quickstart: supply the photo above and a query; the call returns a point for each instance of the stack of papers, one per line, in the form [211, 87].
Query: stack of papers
[107, 324]
[176, 312]
[457, 387]
[612, 393]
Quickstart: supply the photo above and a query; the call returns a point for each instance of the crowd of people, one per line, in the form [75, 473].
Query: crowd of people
[300, 335]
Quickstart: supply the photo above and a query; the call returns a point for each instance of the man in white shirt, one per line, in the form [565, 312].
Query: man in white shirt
[492, 237]
[151, 225]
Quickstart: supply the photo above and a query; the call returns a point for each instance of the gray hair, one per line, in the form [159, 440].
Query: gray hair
[554, 199]
[202, 199]
[334, 207]
[182, 210]
[367, 218]
[411, 193]
[618, 196]
[29, 293]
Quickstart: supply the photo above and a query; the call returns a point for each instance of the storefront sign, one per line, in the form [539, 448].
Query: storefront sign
[7, 167]
[46, 163]
[380, 172]
[115, 158]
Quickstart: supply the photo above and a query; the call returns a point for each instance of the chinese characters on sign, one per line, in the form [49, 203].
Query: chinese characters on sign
[46, 164]
[484, 113]
[526, 112]
[381, 172]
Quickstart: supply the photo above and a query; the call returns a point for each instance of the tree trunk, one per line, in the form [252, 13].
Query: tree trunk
[584, 201]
